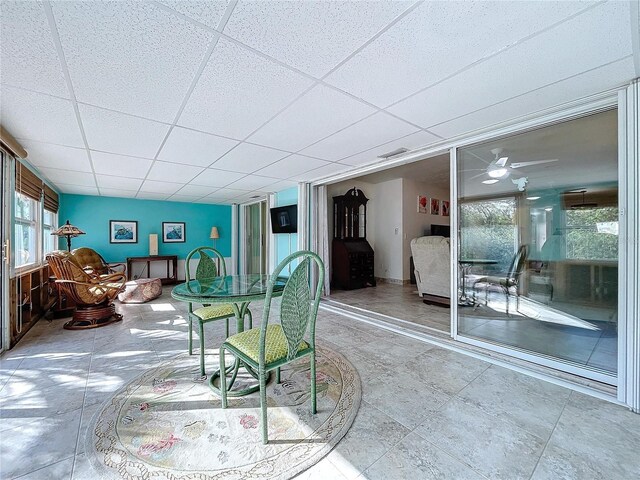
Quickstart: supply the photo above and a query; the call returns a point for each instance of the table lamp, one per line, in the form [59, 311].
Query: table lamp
[214, 235]
[69, 231]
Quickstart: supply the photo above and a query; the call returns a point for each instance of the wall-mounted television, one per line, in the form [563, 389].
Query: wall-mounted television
[284, 219]
[441, 230]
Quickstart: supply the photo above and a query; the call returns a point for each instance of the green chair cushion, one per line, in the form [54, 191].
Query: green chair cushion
[275, 344]
[211, 312]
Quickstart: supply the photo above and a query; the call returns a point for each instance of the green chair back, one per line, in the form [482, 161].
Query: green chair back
[206, 268]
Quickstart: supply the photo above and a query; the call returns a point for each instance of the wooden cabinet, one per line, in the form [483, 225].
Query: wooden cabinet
[31, 295]
[352, 257]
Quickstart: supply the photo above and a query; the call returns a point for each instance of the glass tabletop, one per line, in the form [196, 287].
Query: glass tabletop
[236, 288]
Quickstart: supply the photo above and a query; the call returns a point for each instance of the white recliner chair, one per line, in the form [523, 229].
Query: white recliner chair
[432, 261]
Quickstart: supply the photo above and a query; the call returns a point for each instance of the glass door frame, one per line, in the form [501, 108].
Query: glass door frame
[5, 245]
[264, 225]
[606, 102]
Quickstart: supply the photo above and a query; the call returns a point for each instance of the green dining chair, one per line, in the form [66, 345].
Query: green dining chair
[206, 270]
[269, 347]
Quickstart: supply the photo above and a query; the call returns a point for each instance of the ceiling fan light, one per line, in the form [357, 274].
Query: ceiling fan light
[497, 172]
[533, 198]
[490, 182]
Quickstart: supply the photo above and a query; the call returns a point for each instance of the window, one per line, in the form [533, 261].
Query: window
[592, 233]
[26, 230]
[49, 222]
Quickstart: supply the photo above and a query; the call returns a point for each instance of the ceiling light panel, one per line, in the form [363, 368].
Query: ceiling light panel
[69, 177]
[216, 178]
[319, 113]
[596, 46]
[207, 12]
[35, 116]
[153, 186]
[173, 172]
[239, 91]
[128, 55]
[121, 183]
[411, 141]
[56, 156]
[409, 56]
[247, 158]
[573, 88]
[194, 148]
[113, 164]
[310, 36]
[291, 167]
[374, 130]
[28, 55]
[115, 132]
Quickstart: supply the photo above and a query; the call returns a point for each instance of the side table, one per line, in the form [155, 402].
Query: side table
[171, 260]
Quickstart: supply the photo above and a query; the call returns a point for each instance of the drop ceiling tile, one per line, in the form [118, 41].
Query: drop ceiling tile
[152, 196]
[120, 165]
[210, 13]
[291, 166]
[165, 188]
[438, 39]
[216, 178]
[247, 158]
[413, 141]
[130, 56]
[587, 41]
[39, 117]
[281, 185]
[69, 177]
[194, 148]
[371, 131]
[311, 36]
[214, 201]
[319, 113]
[173, 172]
[331, 169]
[28, 55]
[119, 133]
[116, 192]
[251, 182]
[573, 88]
[226, 193]
[77, 189]
[122, 183]
[197, 190]
[56, 156]
[239, 91]
[184, 198]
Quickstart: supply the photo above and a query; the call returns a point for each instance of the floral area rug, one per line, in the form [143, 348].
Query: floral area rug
[168, 425]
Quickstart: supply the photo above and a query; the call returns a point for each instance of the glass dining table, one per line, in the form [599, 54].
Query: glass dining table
[238, 291]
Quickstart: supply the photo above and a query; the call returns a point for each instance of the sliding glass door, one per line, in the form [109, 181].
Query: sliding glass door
[254, 237]
[538, 244]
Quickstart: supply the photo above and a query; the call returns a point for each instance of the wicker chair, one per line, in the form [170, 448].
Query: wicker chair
[93, 262]
[92, 293]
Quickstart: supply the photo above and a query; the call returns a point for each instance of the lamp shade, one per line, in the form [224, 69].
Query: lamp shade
[214, 233]
[68, 230]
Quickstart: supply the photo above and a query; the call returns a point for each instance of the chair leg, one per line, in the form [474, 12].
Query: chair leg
[506, 297]
[190, 337]
[313, 383]
[263, 405]
[250, 319]
[223, 379]
[201, 328]
[227, 328]
[278, 375]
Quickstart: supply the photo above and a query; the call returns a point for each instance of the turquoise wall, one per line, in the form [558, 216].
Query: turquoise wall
[91, 214]
[283, 242]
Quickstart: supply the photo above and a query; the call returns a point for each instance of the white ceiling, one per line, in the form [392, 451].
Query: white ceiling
[217, 102]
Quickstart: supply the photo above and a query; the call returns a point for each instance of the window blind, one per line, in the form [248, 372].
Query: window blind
[51, 201]
[27, 182]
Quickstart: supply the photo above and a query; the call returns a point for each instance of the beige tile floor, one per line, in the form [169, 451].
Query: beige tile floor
[426, 412]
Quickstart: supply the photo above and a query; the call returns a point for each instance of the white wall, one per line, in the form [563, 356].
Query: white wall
[388, 230]
[414, 223]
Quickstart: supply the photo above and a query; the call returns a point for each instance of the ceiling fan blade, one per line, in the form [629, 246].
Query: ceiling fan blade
[479, 175]
[502, 161]
[473, 170]
[535, 162]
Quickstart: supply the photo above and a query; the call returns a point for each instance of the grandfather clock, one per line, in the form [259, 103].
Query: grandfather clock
[352, 256]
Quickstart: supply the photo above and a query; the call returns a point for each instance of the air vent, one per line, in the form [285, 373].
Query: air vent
[393, 153]
[256, 196]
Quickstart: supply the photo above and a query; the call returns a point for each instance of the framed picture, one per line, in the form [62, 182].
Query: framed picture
[174, 232]
[123, 231]
[422, 204]
[444, 208]
[435, 206]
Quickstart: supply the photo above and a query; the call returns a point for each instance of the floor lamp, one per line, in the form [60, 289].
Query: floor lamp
[215, 235]
[69, 231]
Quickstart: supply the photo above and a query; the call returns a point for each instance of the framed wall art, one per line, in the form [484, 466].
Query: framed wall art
[123, 231]
[422, 204]
[174, 232]
[435, 206]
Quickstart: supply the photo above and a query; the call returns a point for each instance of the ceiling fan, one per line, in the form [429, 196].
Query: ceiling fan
[500, 169]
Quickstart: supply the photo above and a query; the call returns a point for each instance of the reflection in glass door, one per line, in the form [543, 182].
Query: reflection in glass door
[255, 246]
[538, 243]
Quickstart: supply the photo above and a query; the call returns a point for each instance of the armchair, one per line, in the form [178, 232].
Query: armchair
[93, 262]
[92, 293]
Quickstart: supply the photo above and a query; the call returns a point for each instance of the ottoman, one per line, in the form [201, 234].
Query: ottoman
[141, 290]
